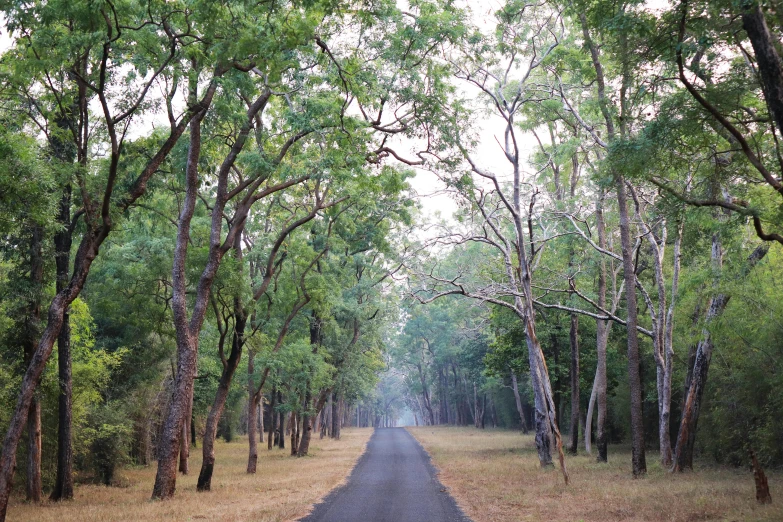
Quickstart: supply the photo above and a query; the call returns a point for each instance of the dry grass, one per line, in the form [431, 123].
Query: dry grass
[494, 476]
[283, 489]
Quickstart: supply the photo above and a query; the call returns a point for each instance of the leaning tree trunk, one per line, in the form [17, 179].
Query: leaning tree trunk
[218, 405]
[686, 436]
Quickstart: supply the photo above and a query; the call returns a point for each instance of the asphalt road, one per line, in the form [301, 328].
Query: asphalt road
[392, 482]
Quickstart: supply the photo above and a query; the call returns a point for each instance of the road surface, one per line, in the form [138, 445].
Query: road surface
[392, 482]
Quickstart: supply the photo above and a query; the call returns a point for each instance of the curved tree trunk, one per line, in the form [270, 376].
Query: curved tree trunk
[218, 405]
[589, 418]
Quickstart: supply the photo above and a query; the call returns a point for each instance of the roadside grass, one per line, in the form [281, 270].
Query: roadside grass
[494, 476]
[283, 489]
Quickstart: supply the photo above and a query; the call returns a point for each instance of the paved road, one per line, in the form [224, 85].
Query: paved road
[392, 482]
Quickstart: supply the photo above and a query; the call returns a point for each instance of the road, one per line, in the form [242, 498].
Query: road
[392, 482]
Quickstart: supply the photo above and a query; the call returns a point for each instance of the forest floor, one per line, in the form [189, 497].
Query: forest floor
[494, 476]
[284, 488]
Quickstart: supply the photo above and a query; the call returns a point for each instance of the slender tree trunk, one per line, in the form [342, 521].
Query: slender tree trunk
[219, 404]
[261, 430]
[32, 328]
[589, 418]
[518, 400]
[602, 339]
[272, 420]
[639, 463]
[253, 400]
[184, 441]
[575, 413]
[282, 428]
[187, 335]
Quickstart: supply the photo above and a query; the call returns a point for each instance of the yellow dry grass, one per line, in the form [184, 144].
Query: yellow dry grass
[494, 476]
[283, 489]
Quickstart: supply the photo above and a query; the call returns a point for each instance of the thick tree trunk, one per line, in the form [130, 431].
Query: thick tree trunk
[307, 423]
[770, 67]
[575, 413]
[63, 486]
[518, 401]
[639, 463]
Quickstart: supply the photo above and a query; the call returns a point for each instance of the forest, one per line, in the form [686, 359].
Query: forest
[267, 221]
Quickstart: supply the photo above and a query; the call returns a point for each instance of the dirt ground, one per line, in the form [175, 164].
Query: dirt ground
[283, 489]
[494, 476]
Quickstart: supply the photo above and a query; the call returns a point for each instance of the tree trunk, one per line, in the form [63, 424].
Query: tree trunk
[575, 414]
[518, 400]
[34, 484]
[769, 65]
[63, 486]
[184, 441]
[253, 403]
[638, 460]
[272, 420]
[32, 327]
[219, 404]
[602, 339]
[186, 331]
[304, 443]
[588, 434]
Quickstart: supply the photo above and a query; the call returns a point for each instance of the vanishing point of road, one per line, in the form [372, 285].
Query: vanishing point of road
[393, 481]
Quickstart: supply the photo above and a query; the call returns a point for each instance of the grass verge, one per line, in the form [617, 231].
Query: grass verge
[494, 476]
[283, 489]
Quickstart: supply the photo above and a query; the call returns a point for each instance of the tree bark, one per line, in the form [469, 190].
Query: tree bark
[186, 334]
[184, 441]
[63, 486]
[575, 414]
[307, 422]
[769, 64]
[32, 327]
[272, 420]
[638, 460]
